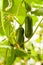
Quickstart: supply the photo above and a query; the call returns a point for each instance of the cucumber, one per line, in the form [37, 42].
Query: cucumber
[20, 36]
[28, 26]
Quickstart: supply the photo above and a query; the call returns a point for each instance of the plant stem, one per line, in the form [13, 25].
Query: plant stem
[2, 18]
[34, 31]
[17, 21]
[5, 46]
[2, 21]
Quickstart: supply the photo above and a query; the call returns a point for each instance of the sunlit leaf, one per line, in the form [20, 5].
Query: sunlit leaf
[35, 1]
[8, 28]
[13, 7]
[38, 12]
[4, 42]
[41, 25]
[35, 19]
[38, 40]
[2, 52]
[21, 13]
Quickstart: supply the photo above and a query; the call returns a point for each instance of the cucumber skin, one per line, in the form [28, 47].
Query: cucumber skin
[28, 26]
[20, 36]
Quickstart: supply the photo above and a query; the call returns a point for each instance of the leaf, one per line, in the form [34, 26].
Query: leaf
[38, 2]
[2, 52]
[21, 19]
[35, 19]
[12, 39]
[36, 6]
[5, 4]
[21, 13]
[29, 1]
[11, 58]
[20, 53]
[38, 12]
[12, 6]
[29, 46]
[35, 1]
[4, 42]
[33, 54]
[42, 55]
[38, 40]
[41, 25]
[17, 10]
[8, 28]
[39, 57]
[15, 53]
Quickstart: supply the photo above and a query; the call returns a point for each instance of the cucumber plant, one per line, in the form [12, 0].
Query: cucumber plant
[11, 13]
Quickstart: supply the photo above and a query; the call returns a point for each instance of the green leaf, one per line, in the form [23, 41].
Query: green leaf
[2, 52]
[35, 19]
[36, 6]
[5, 4]
[8, 28]
[17, 9]
[34, 54]
[21, 13]
[20, 53]
[35, 1]
[12, 39]
[12, 6]
[41, 25]
[11, 58]
[38, 40]
[38, 12]
[15, 53]
[39, 57]
[21, 19]
[29, 1]
[38, 2]
[4, 42]
[29, 45]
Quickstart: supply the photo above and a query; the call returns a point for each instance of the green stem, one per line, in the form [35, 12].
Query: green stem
[17, 20]
[5, 46]
[18, 11]
[37, 26]
[6, 55]
[2, 21]
[2, 18]
[34, 31]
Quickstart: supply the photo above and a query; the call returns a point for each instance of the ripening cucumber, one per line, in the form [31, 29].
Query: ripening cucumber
[20, 36]
[28, 26]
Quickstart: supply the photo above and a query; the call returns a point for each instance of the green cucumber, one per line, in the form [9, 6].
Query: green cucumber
[20, 35]
[28, 26]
